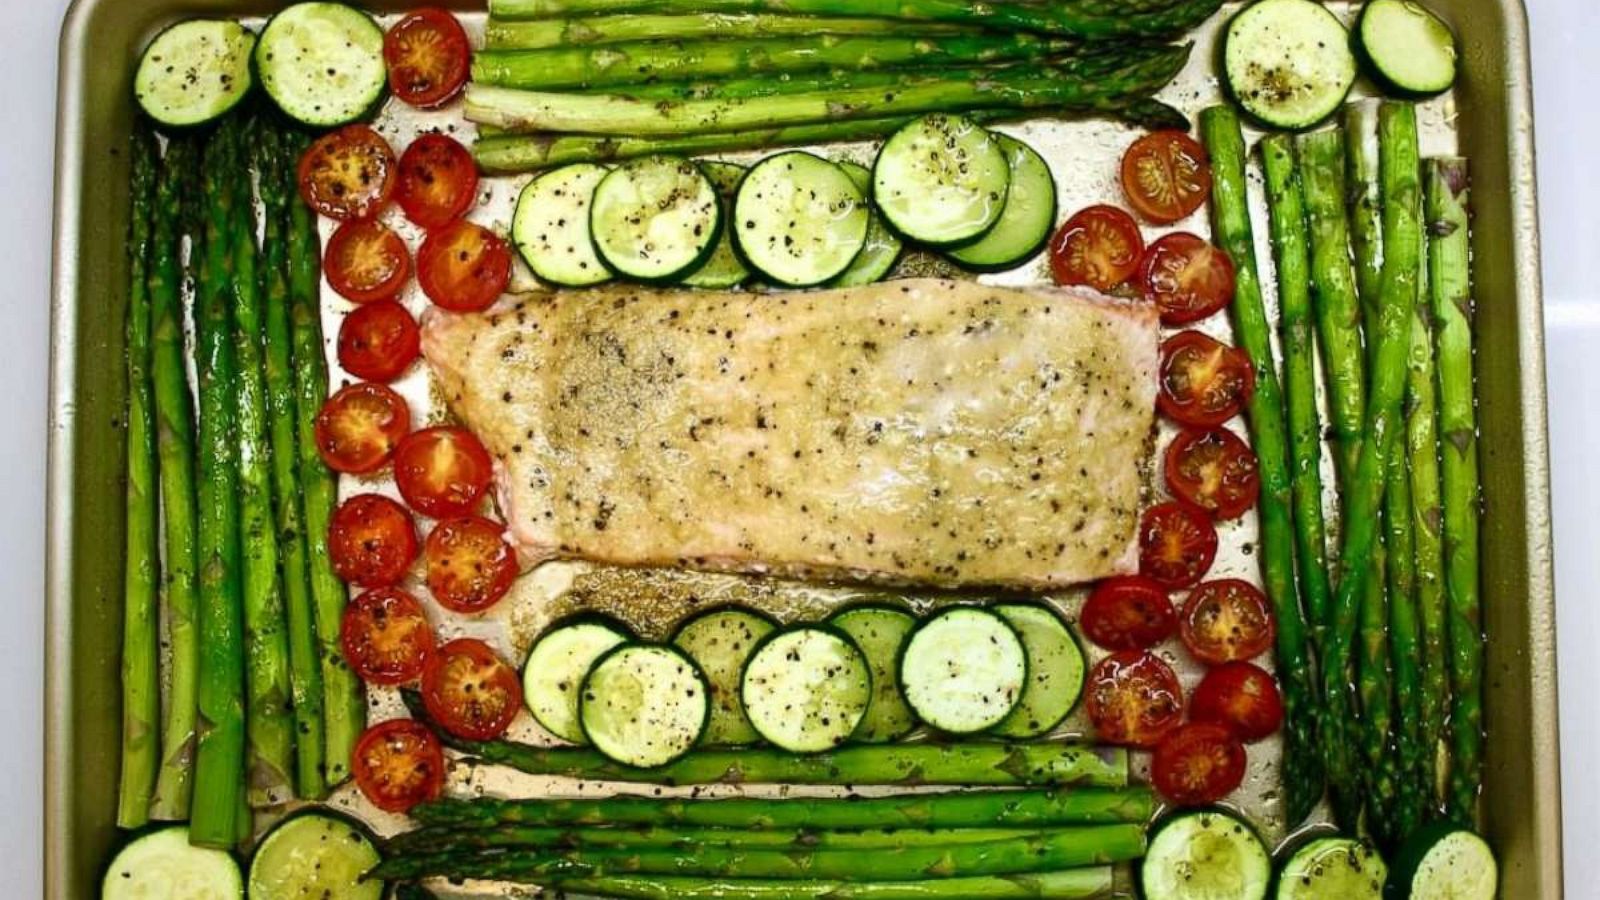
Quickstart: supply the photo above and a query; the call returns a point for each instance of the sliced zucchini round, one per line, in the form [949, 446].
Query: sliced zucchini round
[1288, 62]
[1206, 854]
[941, 179]
[644, 705]
[194, 72]
[1408, 48]
[799, 219]
[322, 63]
[882, 248]
[1443, 862]
[557, 664]
[723, 269]
[551, 226]
[963, 670]
[1055, 670]
[720, 641]
[880, 631]
[315, 854]
[655, 218]
[1025, 221]
[806, 688]
[163, 865]
[1332, 867]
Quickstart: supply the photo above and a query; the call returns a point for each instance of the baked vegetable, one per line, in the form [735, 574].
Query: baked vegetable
[806, 688]
[1026, 219]
[322, 63]
[1407, 48]
[557, 664]
[315, 854]
[963, 670]
[550, 226]
[194, 72]
[720, 642]
[164, 864]
[1205, 854]
[880, 632]
[643, 705]
[799, 219]
[655, 218]
[1288, 62]
[941, 180]
[1056, 670]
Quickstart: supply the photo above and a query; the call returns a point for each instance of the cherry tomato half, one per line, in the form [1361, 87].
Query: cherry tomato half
[398, 764]
[1166, 176]
[358, 427]
[1100, 246]
[438, 180]
[442, 471]
[1177, 544]
[348, 174]
[386, 636]
[463, 267]
[366, 261]
[470, 565]
[371, 541]
[1134, 699]
[1242, 696]
[1200, 763]
[427, 55]
[1128, 612]
[1214, 470]
[1186, 277]
[379, 341]
[1226, 620]
[1204, 382]
[470, 691]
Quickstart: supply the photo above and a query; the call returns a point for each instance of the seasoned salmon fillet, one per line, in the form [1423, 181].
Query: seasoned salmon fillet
[922, 431]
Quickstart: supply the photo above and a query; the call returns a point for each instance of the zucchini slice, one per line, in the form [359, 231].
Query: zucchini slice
[1025, 221]
[722, 269]
[655, 218]
[315, 854]
[1288, 62]
[1055, 670]
[1408, 48]
[799, 219]
[1442, 862]
[1207, 854]
[163, 865]
[1332, 868]
[644, 705]
[806, 688]
[720, 641]
[322, 63]
[194, 72]
[882, 247]
[556, 666]
[880, 631]
[941, 179]
[551, 226]
[963, 670]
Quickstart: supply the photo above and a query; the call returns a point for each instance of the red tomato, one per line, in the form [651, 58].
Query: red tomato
[1186, 277]
[469, 691]
[1166, 176]
[348, 174]
[442, 471]
[386, 636]
[1204, 382]
[463, 267]
[427, 55]
[1134, 699]
[1215, 471]
[1177, 544]
[358, 427]
[1129, 612]
[1100, 246]
[438, 180]
[1200, 763]
[1243, 696]
[379, 341]
[1225, 621]
[398, 764]
[366, 261]
[371, 541]
[470, 565]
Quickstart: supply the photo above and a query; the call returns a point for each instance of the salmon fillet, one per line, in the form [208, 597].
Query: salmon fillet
[921, 431]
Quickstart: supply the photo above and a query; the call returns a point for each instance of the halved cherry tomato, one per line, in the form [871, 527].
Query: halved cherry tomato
[1200, 763]
[366, 261]
[386, 636]
[398, 764]
[470, 565]
[358, 427]
[348, 174]
[1134, 699]
[442, 471]
[1243, 696]
[1204, 382]
[1177, 544]
[1226, 620]
[427, 56]
[379, 341]
[438, 180]
[1100, 246]
[371, 541]
[463, 267]
[1166, 175]
[1186, 277]
[1214, 470]
[1128, 612]
[471, 691]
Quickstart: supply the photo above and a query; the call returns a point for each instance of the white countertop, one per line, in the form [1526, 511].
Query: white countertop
[1566, 70]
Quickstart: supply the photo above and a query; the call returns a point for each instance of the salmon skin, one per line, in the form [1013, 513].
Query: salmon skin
[922, 431]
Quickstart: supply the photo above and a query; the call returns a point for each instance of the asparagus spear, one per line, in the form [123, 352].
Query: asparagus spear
[1302, 770]
[1092, 881]
[1366, 202]
[1400, 692]
[432, 841]
[501, 34]
[1451, 301]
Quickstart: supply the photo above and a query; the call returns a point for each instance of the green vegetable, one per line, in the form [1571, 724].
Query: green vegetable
[1093, 881]
[163, 863]
[433, 841]
[1408, 49]
[503, 34]
[1288, 63]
